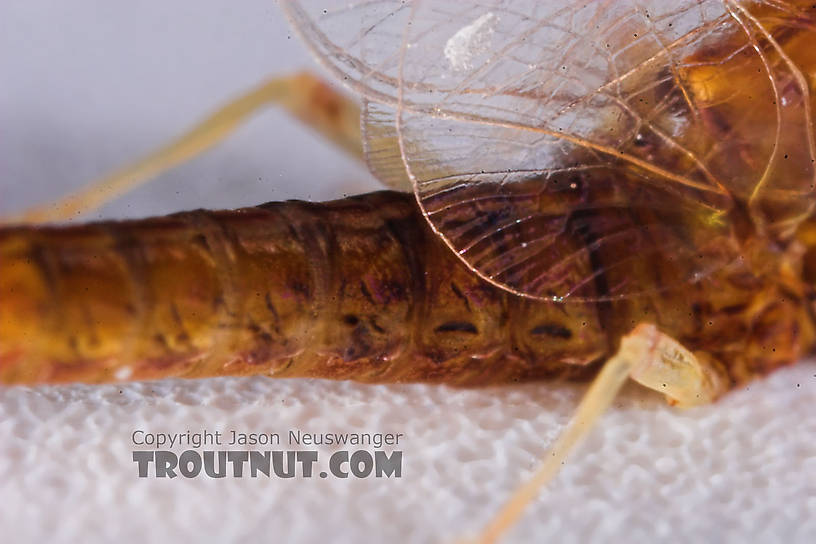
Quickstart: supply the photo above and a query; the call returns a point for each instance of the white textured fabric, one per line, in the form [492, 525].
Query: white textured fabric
[89, 84]
[742, 470]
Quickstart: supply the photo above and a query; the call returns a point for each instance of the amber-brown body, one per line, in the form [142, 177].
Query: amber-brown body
[354, 289]
[357, 289]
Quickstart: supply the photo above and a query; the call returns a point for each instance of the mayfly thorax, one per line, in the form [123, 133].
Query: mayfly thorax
[639, 193]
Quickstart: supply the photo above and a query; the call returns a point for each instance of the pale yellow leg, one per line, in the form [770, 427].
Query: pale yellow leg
[303, 95]
[650, 358]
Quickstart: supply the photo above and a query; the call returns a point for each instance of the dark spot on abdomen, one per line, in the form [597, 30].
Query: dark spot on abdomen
[351, 320]
[553, 330]
[457, 326]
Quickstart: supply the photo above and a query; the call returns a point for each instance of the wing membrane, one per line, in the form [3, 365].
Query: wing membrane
[552, 144]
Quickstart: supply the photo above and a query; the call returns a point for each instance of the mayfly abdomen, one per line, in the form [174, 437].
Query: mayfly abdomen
[356, 289]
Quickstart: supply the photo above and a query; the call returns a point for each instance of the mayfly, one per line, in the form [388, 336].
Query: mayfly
[607, 188]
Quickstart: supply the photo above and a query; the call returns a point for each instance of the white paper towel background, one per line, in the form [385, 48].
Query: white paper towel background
[89, 84]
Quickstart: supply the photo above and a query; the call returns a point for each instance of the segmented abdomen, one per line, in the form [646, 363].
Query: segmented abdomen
[356, 289]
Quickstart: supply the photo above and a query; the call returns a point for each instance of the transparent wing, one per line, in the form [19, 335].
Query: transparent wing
[585, 150]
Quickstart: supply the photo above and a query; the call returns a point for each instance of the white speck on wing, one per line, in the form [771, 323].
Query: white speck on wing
[469, 41]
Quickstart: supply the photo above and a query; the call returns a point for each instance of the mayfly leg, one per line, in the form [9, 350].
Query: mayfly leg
[649, 357]
[303, 95]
